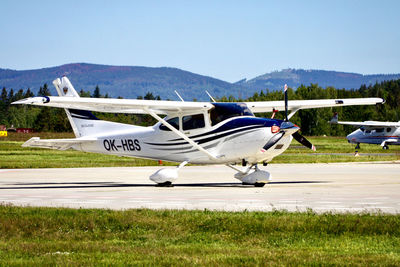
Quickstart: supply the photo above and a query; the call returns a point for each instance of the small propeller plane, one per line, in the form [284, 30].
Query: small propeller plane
[195, 132]
[372, 132]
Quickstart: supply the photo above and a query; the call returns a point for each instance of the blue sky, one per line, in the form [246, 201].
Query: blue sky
[228, 40]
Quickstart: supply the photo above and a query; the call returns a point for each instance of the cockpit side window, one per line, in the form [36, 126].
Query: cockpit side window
[193, 122]
[173, 121]
[224, 111]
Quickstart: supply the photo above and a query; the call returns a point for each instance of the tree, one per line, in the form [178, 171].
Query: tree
[4, 95]
[10, 97]
[43, 91]
[149, 96]
[96, 93]
[84, 94]
[3, 106]
[28, 93]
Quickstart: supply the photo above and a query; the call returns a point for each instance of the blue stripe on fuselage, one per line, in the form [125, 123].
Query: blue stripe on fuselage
[239, 124]
[82, 114]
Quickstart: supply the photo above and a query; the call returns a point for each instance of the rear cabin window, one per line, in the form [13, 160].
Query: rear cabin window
[388, 129]
[224, 111]
[193, 122]
[173, 121]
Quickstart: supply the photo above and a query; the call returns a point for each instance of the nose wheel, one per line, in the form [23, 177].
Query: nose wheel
[252, 175]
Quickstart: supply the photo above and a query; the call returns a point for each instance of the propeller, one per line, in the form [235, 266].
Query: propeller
[297, 136]
[287, 127]
[302, 140]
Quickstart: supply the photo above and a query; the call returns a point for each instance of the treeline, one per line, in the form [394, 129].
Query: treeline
[312, 121]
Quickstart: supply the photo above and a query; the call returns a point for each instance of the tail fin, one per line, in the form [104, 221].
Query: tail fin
[65, 88]
[334, 119]
[83, 122]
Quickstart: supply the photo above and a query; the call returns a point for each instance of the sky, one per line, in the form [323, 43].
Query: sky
[228, 40]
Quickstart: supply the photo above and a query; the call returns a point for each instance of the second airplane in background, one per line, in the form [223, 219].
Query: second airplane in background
[372, 132]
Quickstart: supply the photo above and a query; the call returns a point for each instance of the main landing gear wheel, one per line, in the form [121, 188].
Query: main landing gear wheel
[255, 184]
[259, 184]
[385, 147]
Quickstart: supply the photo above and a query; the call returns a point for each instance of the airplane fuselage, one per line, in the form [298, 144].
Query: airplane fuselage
[230, 141]
[375, 135]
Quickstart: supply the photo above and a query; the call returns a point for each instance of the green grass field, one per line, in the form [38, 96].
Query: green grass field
[12, 155]
[49, 236]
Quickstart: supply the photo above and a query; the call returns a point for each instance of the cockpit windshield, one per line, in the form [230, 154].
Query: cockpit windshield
[224, 111]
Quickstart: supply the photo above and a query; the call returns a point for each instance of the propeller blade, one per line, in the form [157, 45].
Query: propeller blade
[286, 104]
[302, 140]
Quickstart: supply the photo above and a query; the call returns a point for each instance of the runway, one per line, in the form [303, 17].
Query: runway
[348, 187]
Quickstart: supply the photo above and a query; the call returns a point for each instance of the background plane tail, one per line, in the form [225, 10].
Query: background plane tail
[334, 119]
[83, 122]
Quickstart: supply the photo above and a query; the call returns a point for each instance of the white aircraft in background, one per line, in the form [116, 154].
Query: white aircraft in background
[195, 132]
[372, 132]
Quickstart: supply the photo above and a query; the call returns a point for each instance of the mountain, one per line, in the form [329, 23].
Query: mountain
[133, 81]
[125, 81]
[296, 77]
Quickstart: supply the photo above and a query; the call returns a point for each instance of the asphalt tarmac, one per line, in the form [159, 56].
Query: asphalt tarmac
[335, 187]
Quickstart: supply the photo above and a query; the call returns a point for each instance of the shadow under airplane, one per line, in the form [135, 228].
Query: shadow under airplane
[122, 185]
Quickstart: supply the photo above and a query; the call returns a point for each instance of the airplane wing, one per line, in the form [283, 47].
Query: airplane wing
[60, 144]
[135, 106]
[166, 107]
[368, 124]
[294, 105]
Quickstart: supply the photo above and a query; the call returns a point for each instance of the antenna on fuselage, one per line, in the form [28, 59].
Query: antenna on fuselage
[210, 96]
[179, 96]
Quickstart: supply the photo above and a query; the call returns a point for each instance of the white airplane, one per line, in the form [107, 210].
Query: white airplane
[195, 132]
[372, 132]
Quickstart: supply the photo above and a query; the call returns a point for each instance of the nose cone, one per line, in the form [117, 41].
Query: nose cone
[352, 138]
[289, 127]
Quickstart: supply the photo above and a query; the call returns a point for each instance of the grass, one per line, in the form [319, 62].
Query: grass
[50, 236]
[12, 155]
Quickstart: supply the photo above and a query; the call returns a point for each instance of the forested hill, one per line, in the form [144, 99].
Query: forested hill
[296, 77]
[125, 81]
[131, 81]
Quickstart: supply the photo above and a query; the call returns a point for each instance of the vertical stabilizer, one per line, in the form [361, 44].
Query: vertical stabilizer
[65, 88]
[83, 122]
[334, 119]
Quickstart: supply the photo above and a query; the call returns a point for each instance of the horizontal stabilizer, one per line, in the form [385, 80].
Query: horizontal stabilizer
[60, 144]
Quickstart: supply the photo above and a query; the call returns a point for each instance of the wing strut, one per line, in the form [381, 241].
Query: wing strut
[172, 128]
